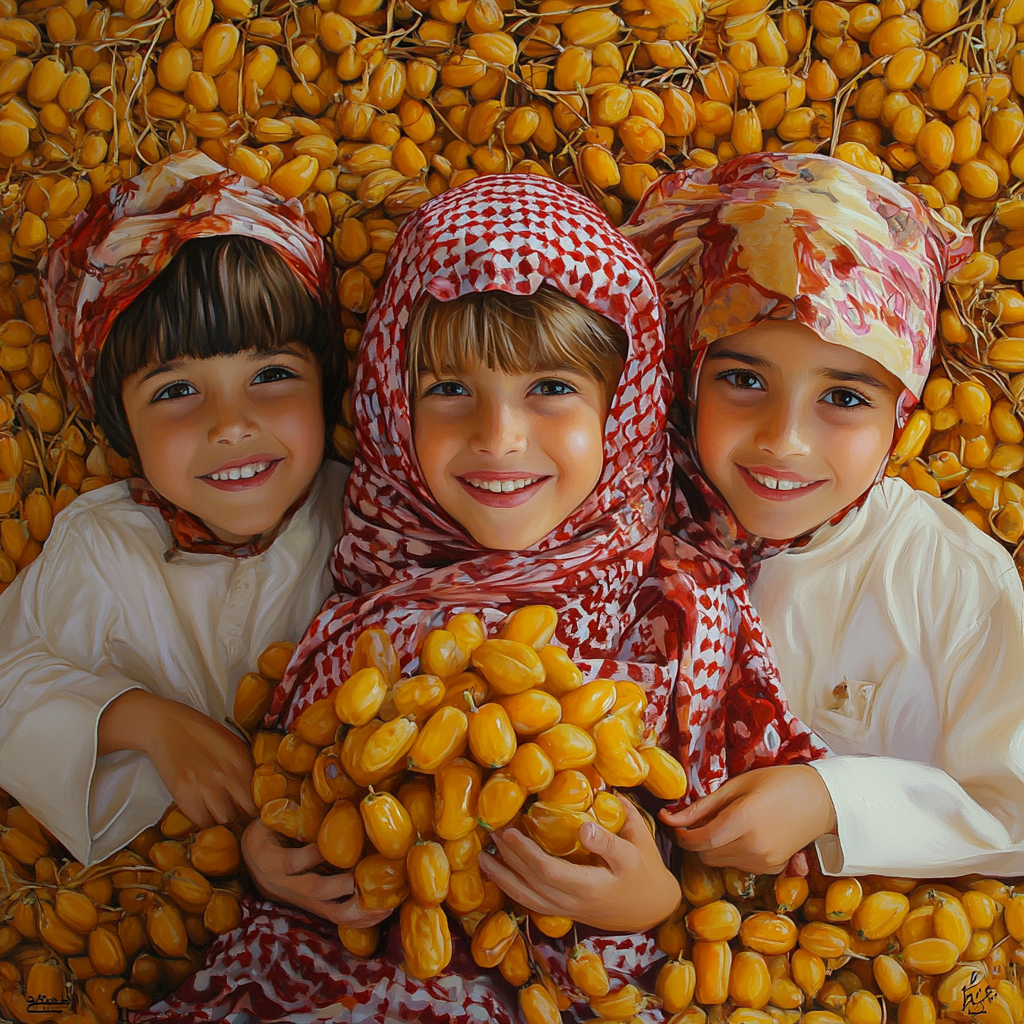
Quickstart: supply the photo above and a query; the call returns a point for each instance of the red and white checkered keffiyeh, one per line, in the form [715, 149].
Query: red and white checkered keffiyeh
[633, 601]
[126, 236]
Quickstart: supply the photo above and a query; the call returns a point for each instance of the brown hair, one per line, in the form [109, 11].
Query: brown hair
[218, 296]
[515, 334]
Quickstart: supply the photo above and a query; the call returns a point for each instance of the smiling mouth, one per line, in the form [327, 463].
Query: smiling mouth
[773, 488]
[775, 484]
[503, 486]
[240, 472]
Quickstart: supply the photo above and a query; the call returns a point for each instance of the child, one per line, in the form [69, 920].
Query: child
[205, 355]
[803, 299]
[515, 341]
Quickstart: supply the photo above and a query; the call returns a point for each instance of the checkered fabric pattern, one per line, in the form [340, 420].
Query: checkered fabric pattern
[634, 601]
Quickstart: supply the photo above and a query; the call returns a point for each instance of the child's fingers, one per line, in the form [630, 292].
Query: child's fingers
[325, 888]
[352, 915]
[725, 828]
[514, 887]
[705, 807]
[303, 859]
[523, 856]
[612, 849]
[221, 807]
[635, 830]
[242, 796]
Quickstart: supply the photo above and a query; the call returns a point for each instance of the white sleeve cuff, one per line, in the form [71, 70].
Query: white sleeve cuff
[906, 818]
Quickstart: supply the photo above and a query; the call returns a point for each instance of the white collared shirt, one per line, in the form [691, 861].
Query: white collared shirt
[899, 634]
[101, 612]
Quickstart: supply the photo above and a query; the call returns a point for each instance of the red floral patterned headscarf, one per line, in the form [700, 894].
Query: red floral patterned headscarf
[631, 599]
[777, 236]
[126, 236]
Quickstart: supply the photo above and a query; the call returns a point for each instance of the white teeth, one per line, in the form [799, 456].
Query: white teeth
[503, 486]
[241, 472]
[779, 485]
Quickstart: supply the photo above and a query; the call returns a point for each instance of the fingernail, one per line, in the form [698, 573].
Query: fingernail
[588, 831]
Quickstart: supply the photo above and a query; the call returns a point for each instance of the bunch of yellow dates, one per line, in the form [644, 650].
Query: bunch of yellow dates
[83, 945]
[758, 950]
[401, 779]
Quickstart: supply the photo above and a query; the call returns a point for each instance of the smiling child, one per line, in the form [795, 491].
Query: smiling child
[803, 296]
[191, 310]
[509, 404]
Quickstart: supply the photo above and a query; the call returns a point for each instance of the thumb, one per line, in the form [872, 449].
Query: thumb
[705, 807]
[599, 840]
[635, 829]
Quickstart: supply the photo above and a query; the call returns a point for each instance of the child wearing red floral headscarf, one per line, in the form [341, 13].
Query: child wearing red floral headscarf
[802, 297]
[510, 405]
[191, 313]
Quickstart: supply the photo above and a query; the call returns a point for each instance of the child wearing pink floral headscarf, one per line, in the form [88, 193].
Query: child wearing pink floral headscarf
[802, 296]
[633, 601]
[191, 314]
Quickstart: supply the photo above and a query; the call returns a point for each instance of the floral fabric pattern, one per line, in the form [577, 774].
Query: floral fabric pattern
[126, 236]
[634, 601]
[776, 236]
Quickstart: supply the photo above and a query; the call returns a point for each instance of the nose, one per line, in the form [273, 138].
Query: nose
[499, 429]
[784, 431]
[231, 421]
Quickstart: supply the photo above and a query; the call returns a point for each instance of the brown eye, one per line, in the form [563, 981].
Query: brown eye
[272, 374]
[179, 389]
[844, 398]
[744, 379]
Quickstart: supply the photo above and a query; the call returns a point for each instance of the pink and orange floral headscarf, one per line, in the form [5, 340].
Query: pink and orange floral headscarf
[776, 236]
[634, 601]
[126, 236]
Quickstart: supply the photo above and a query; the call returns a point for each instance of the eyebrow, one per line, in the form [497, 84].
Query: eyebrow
[829, 373]
[727, 354]
[177, 364]
[849, 377]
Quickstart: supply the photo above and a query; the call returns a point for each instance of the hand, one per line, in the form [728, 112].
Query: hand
[207, 768]
[286, 875]
[758, 820]
[633, 892]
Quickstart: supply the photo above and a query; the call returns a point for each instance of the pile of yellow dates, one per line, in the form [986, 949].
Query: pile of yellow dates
[83, 945]
[758, 950]
[363, 110]
[401, 779]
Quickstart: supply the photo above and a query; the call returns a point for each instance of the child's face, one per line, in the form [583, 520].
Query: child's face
[510, 456]
[791, 429]
[232, 439]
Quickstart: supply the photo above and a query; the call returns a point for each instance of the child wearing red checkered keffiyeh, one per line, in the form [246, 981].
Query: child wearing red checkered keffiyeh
[634, 602]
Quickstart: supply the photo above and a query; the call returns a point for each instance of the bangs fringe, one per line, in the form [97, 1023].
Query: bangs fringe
[516, 334]
[218, 297]
[221, 297]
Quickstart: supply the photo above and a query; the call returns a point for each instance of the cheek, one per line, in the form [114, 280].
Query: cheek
[856, 455]
[301, 425]
[582, 444]
[431, 440]
[715, 438]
